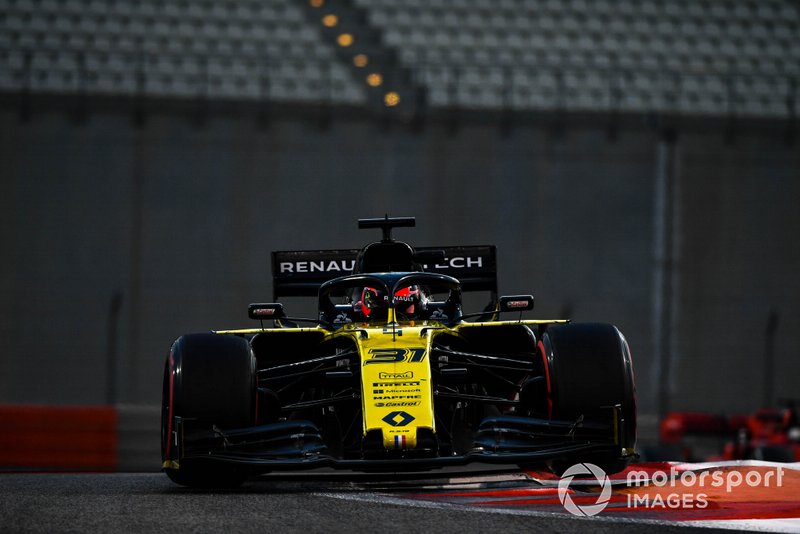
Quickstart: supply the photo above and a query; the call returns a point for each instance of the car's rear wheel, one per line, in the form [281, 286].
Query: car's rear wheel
[208, 378]
[589, 370]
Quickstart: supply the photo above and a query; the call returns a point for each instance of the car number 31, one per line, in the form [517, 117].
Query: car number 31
[409, 355]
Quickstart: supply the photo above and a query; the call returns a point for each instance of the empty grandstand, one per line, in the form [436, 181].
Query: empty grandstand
[694, 57]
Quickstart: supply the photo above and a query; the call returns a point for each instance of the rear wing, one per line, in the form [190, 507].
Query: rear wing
[298, 273]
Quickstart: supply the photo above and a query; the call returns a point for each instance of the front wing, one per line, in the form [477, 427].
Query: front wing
[298, 445]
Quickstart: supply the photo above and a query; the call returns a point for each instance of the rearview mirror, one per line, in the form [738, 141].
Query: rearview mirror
[515, 303]
[261, 312]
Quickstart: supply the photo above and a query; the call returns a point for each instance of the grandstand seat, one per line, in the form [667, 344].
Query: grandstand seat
[452, 47]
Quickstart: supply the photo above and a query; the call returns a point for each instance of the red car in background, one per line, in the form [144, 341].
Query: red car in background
[769, 434]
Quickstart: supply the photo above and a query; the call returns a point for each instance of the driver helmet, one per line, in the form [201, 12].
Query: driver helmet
[373, 299]
[409, 301]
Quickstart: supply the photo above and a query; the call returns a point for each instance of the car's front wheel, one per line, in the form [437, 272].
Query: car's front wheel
[208, 378]
[589, 371]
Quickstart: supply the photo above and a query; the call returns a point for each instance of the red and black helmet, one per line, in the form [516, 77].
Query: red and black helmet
[407, 301]
[373, 299]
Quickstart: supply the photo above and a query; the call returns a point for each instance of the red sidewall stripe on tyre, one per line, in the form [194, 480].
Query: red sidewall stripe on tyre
[547, 379]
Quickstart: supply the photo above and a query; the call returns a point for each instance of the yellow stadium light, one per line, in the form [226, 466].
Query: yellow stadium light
[391, 99]
[360, 60]
[345, 39]
[316, 3]
[330, 21]
[374, 79]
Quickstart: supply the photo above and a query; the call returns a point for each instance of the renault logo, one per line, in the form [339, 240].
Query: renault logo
[398, 419]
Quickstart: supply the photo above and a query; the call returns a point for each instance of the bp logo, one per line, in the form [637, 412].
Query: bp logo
[565, 494]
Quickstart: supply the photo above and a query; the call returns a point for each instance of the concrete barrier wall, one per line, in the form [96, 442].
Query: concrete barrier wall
[737, 316]
[139, 438]
[117, 238]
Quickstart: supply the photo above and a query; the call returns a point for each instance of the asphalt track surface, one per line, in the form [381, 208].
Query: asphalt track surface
[327, 504]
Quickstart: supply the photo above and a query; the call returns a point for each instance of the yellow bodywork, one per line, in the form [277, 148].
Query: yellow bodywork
[396, 388]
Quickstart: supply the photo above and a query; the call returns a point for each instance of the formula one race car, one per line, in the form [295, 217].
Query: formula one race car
[393, 376]
[768, 434]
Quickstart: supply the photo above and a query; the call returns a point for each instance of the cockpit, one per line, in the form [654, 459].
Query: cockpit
[382, 298]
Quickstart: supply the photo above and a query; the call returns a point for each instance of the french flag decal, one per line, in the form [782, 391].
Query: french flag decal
[399, 442]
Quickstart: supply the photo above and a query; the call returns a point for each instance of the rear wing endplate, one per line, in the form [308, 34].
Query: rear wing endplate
[298, 273]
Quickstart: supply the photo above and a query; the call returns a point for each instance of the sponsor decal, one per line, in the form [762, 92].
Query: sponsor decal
[458, 262]
[390, 376]
[389, 389]
[513, 304]
[339, 266]
[398, 418]
[396, 394]
[263, 311]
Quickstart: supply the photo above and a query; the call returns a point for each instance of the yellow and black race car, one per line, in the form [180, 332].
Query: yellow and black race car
[393, 375]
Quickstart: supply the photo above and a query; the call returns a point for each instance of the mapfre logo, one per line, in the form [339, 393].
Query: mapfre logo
[565, 494]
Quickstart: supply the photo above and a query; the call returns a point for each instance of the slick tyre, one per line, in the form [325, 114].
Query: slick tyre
[589, 368]
[209, 378]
